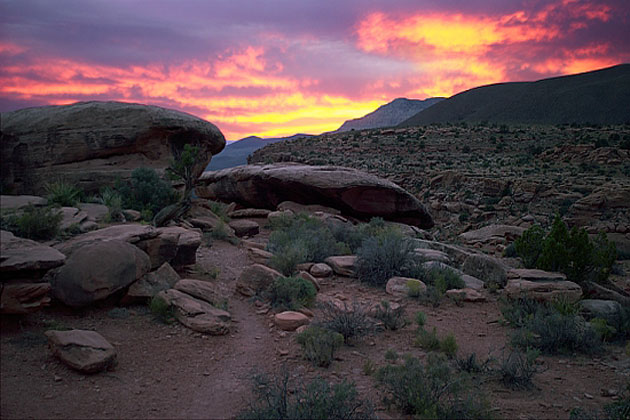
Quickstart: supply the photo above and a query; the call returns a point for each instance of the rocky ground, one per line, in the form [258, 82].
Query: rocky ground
[169, 371]
[474, 175]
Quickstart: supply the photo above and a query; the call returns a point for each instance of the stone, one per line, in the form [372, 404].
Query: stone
[197, 314]
[71, 216]
[173, 244]
[290, 320]
[533, 274]
[20, 258]
[85, 351]
[276, 216]
[342, 265]
[351, 191]
[152, 283]
[598, 308]
[96, 143]
[543, 290]
[132, 233]
[492, 232]
[255, 279]
[401, 286]
[259, 256]
[95, 212]
[306, 276]
[311, 209]
[200, 289]
[456, 253]
[23, 298]
[132, 215]
[321, 270]
[485, 268]
[15, 202]
[249, 213]
[244, 227]
[472, 282]
[250, 244]
[466, 294]
[432, 255]
[96, 271]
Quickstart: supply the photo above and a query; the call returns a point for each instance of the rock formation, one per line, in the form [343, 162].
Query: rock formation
[90, 144]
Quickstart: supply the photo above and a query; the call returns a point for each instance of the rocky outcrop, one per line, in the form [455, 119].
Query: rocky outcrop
[343, 265]
[24, 258]
[493, 233]
[90, 144]
[23, 298]
[14, 202]
[404, 286]
[152, 283]
[349, 190]
[543, 290]
[196, 314]
[486, 268]
[173, 244]
[244, 227]
[290, 320]
[85, 351]
[255, 279]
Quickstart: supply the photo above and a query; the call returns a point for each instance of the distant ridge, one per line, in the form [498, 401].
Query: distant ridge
[389, 115]
[236, 153]
[600, 97]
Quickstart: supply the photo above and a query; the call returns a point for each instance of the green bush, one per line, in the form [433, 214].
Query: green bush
[385, 256]
[431, 390]
[62, 193]
[518, 368]
[448, 346]
[278, 398]
[351, 322]
[40, 223]
[569, 252]
[221, 232]
[319, 344]
[444, 279]
[162, 310]
[470, 364]
[421, 319]
[428, 340]
[146, 191]
[392, 318]
[113, 201]
[291, 293]
[287, 261]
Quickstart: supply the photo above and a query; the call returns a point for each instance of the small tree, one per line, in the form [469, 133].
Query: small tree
[183, 167]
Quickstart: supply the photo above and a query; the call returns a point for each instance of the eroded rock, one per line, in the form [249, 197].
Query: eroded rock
[85, 351]
[343, 265]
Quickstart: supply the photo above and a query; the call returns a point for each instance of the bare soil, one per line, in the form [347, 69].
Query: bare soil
[168, 371]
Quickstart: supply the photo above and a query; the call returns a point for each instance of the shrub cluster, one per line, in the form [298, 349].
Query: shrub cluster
[351, 322]
[568, 251]
[291, 293]
[40, 223]
[319, 344]
[146, 191]
[62, 193]
[392, 318]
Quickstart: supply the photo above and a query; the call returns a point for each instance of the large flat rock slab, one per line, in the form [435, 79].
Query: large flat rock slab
[21, 257]
[90, 144]
[85, 351]
[351, 191]
[197, 314]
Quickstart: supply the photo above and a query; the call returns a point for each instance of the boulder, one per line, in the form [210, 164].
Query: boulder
[244, 227]
[24, 258]
[131, 233]
[152, 283]
[85, 351]
[200, 289]
[306, 276]
[533, 274]
[91, 144]
[23, 298]
[466, 294]
[276, 216]
[401, 286]
[249, 213]
[259, 256]
[174, 244]
[197, 314]
[598, 308]
[543, 290]
[342, 265]
[255, 279]
[306, 208]
[14, 202]
[95, 212]
[71, 216]
[351, 191]
[485, 268]
[456, 253]
[290, 320]
[432, 255]
[96, 271]
[321, 270]
[493, 232]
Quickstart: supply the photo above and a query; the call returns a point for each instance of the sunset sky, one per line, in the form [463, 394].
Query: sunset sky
[271, 68]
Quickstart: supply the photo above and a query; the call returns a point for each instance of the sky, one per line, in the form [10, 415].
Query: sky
[280, 67]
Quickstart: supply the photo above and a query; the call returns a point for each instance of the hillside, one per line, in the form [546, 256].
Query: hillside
[601, 96]
[389, 115]
[236, 153]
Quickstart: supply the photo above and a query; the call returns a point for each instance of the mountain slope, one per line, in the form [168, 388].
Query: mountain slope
[601, 96]
[389, 115]
[236, 153]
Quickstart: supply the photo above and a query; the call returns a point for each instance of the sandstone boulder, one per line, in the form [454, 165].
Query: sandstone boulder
[249, 213]
[24, 258]
[504, 233]
[14, 202]
[598, 308]
[131, 233]
[342, 265]
[97, 270]
[255, 279]
[487, 269]
[200, 289]
[259, 256]
[308, 277]
[152, 283]
[23, 298]
[85, 351]
[351, 191]
[467, 295]
[543, 290]
[174, 244]
[432, 255]
[306, 208]
[321, 270]
[91, 144]
[196, 314]
[402, 286]
[533, 274]
[290, 320]
[244, 227]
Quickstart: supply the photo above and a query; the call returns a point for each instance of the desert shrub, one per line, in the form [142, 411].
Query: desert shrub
[291, 293]
[278, 398]
[33, 222]
[431, 390]
[351, 322]
[319, 344]
[470, 364]
[219, 209]
[444, 279]
[568, 251]
[605, 331]
[353, 236]
[308, 233]
[162, 310]
[391, 355]
[392, 318]
[428, 340]
[220, 232]
[62, 193]
[517, 369]
[420, 319]
[519, 312]
[448, 346]
[287, 261]
[146, 190]
[113, 201]
[414, 289]
[383, 257]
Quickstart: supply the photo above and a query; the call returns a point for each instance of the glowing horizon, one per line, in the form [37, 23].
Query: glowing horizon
[295, 67]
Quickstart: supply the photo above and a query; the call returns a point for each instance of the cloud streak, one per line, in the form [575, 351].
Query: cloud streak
[297, 66]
